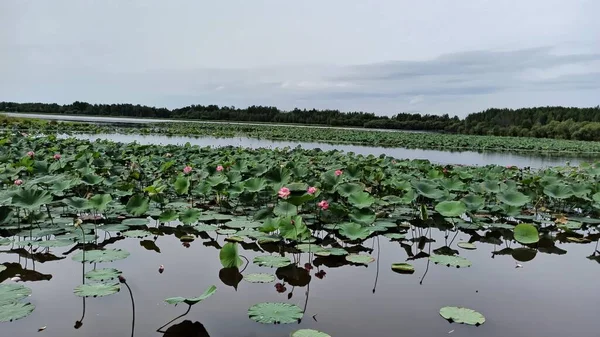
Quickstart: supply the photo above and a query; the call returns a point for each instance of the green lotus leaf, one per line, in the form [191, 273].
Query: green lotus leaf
[403, 268]
[254, 185]
[31, 199]
[192, 300]
[182, 185]
[226, 231]
[242, 224]
[100, 201]
[97, 289]
[450, 261]
[15, 310]
[462, 315]
[332, 251]
[347, 189]
[354, 231]
[272, 261]
[205, 228]
[558, 191]
[97, 256]
[285, 209]
[189, 216]
[229, 255]
[467, 245]
[309, 248]
[451, 208]
[363, 216]
[473, 202]
[395, 236]
[359, 258]
[259, 278]
[137, 233]
[361, 199]
[513, 198]
[133, 222]
[137, 205]
[77, 203]
[308, 333]
[168, 215]
[428, 189]
[91, 179]
[12, 293]
[275, 313]
[526, 233]
[103, 274]
[491, 186]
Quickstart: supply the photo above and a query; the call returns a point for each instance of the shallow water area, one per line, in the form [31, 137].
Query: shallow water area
[551, 295]
[442, 157]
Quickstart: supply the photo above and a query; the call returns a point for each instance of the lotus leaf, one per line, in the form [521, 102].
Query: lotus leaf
[450, 261]
[462, 315]
[275, 313]
[103, 274]
[359, 258]
[97, 256]
[308, 333]
[354, 231]
[526, 234]
[403, 268]
[97, 289]
[15, 310]
[193, 300]
[259, 278]
[229, 256]
[451, 208]
[12, 293]
[513, 198]
[272, 261]
[137, 205]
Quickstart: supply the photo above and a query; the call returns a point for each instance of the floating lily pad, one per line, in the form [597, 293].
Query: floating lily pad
[467, 245]
[275, 313]
[309, 248]
[272, 261]
[395, 236]
[403, 268]
[97, 289]
[332, 251]
[205, 228]
[354, 231]
[193, 300]
[224, 231]
[308, 333]
[135, 222]
[451, 208]
[103, 274]
[13, 293]
[13, 311]
[138, 233]
[450, 261]
[259, 278]
[462, 315]
[526, 234]
[359, 258]
[96, 256]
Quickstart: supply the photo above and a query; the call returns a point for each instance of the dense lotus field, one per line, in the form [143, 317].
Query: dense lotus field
[299, 208]
[424, 140]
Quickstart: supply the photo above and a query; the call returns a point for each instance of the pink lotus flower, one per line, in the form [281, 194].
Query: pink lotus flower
[338, 173]
[311, 190]
[284, 192]
[31, 154]
[57, 156]
[187, 169]
[219, 168]
[323, 204]
[18, 182]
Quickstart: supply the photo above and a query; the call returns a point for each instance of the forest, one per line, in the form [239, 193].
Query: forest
[540, 122]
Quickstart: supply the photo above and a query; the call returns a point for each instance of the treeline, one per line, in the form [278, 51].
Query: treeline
[260, 114]
[540, 122]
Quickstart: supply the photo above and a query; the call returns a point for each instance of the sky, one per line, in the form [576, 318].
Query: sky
[384, 56]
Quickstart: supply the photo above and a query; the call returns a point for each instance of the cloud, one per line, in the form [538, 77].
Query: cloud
[417, 99]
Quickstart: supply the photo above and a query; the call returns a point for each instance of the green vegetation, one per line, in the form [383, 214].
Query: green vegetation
[434, 141]
[539, 122]
[299, 209]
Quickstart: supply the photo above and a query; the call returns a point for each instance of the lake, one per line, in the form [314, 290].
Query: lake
[442, 157]
[551, 295]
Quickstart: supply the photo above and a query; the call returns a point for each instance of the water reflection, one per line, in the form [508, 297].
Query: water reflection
[533, 160]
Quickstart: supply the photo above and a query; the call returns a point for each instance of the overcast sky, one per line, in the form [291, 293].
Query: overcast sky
[383, 56]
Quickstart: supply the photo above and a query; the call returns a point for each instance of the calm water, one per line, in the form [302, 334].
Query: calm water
[442, 157]
[552, 295]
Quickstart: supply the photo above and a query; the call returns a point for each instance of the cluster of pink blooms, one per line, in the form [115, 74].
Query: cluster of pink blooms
[338, 173]
[285, 192]
[219, 168]
[18, 182]
[187, 169]
[31, 154]
[57, 156]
